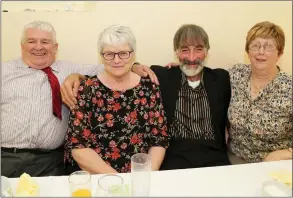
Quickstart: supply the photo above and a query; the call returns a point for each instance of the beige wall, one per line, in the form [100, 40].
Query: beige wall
[154, 24]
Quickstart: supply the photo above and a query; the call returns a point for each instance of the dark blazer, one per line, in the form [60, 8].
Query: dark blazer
[217, 86]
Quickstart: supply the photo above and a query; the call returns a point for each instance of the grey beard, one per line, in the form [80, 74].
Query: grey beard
[190, 72]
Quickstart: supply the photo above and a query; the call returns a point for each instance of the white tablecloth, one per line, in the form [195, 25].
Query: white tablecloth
[234, 180]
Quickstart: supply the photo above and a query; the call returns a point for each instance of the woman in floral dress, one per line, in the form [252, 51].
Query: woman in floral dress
[118, 113]
[260, 111]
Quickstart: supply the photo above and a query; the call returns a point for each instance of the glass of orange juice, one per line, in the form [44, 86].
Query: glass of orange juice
[80, 184]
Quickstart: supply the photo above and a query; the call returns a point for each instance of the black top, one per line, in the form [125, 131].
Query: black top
[189, 153]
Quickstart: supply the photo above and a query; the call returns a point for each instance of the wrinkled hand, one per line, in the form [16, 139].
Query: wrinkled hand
[172, 64]
[69, 90]
[284, 154]
[144, 70]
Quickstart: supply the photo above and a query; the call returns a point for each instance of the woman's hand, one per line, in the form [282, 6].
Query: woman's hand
[157, 154]
[284, 154]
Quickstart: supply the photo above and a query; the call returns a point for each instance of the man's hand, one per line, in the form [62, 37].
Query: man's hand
[172, 64]
[144, 70]
[69, 89]
[284, 154]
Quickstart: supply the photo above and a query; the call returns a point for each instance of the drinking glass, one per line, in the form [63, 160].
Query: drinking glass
[140, 174]
[6, 190]
[80, 184]
[110, 186]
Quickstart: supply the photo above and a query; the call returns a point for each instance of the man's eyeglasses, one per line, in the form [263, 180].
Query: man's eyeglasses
[121, 55]
[268, 48]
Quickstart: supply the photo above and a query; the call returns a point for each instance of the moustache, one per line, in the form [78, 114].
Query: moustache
[195, 62]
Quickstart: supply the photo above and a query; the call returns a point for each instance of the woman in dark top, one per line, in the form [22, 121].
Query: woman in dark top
[118, 113]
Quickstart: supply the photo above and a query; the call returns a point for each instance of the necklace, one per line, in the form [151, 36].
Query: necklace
[257, 89]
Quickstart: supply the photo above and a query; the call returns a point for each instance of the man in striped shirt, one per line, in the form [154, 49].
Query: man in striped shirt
[31, 136]
[195, 99]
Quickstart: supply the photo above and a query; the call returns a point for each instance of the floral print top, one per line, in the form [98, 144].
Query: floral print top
[261, 125]
[117, 124]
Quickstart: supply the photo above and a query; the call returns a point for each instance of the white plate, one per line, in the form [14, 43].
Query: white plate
[6, 190]
[273, 188]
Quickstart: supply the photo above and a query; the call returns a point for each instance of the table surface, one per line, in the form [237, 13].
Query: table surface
[233, 180]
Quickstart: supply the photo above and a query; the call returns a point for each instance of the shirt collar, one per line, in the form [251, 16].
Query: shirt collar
[184, 79]
[54, 66]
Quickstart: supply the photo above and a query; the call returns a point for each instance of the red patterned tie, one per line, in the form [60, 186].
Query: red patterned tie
[56, 95]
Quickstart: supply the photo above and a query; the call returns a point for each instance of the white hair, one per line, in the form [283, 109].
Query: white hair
[115, 35]
[41, 25]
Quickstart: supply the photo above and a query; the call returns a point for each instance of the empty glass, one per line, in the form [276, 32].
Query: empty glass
[110, 186]
[141, 167]
[80, 184]
[6, 190]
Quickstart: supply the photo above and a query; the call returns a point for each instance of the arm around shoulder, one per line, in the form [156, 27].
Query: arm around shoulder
[69, 89]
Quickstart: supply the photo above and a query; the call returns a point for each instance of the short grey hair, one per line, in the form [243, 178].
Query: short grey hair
[115, 35]
[41, 25]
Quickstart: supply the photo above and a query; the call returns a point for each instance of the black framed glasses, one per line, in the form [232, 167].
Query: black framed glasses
[268, 47]
[121, 55]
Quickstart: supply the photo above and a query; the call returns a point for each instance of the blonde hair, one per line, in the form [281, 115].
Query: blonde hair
[266, 29]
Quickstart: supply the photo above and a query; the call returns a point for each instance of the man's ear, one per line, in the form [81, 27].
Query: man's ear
[21, 46]
[207, 54]
[176, 56]
[56, 45]
[177, 53]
